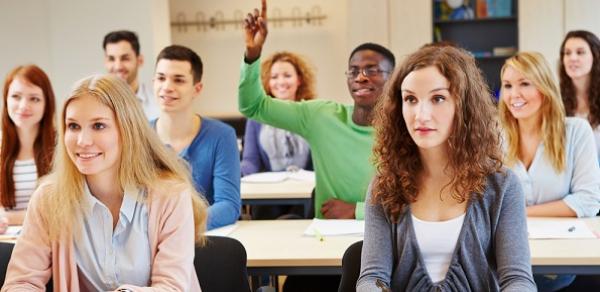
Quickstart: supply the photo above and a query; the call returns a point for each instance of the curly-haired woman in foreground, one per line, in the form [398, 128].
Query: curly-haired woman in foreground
[443, 215]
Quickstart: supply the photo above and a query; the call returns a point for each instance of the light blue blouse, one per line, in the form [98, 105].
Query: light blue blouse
[107, 259]
[578, 185]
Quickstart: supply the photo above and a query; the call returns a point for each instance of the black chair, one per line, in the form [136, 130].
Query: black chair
[221, 265]
[351, 267]
[5, 253]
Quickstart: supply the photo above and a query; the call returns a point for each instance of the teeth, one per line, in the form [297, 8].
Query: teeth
[518, 104]
[87, 155]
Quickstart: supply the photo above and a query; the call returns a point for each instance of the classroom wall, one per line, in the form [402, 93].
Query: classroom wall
[392, 23]
[543, 31]
[64, 37]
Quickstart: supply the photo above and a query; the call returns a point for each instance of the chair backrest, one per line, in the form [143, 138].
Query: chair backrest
[5, 252]
[350, 267]
[221, 265]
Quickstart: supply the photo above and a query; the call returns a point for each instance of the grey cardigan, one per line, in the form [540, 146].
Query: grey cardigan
[492, 252]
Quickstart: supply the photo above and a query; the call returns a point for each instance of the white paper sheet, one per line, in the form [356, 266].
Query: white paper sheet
[329, 227]
[279, 176]
[11, 233]
[558, 229]
[266, 177]
[222, 231]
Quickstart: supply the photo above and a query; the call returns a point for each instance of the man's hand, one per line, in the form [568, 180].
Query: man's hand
[338, 209]
[255, 26]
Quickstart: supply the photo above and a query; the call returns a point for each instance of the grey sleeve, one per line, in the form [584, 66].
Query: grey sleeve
[376, 259]
[512, 246]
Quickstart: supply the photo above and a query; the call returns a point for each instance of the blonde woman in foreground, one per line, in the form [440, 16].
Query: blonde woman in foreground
[118, 210]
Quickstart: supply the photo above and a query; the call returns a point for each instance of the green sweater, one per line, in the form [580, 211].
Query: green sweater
[341, 150]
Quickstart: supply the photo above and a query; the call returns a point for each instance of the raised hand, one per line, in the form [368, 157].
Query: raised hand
[255, 26]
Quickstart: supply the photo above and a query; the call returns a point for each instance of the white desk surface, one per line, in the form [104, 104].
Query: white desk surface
[278, 243]
[271, 243]
[567, 252]
[287, 189]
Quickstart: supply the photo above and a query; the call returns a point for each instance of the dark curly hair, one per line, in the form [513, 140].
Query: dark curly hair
[567, 89]
[473, 147]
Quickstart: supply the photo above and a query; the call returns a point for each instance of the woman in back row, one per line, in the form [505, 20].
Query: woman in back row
[579, 73]
[28, 138]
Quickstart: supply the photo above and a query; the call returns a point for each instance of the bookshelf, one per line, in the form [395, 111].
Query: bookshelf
[491, 35]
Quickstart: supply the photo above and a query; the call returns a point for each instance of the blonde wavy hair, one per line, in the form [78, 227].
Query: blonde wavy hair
[536, 69]
[145, 162]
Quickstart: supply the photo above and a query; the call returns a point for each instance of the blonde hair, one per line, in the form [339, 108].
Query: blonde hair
[535, 68]
[145, 162]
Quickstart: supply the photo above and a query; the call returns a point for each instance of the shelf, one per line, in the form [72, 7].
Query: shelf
[474, 20]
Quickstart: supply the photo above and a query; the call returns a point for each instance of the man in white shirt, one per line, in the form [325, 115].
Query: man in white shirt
[123, 59]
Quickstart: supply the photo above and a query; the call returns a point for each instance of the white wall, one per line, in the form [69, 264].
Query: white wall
[544, 29]
[325, 47]
[391, 23]
[64, 37]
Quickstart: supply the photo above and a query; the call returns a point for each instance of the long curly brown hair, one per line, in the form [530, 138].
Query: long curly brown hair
[567, 89]
[473, 148]
[306, 89]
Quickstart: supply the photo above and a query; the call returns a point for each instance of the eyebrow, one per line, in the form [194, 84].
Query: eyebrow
[93, 119]
[433, 90]
[176, 75]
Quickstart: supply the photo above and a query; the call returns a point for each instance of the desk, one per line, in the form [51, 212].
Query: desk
[567, 256]
[277, 247]
[287, 192]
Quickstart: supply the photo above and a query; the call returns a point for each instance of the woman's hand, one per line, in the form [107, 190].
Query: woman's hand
[3, 222]
[255, 27]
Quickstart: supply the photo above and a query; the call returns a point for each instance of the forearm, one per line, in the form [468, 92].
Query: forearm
[222, 213]
[551, 209]
[16, 217]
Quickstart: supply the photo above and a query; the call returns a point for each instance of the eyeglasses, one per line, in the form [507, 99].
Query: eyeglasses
[367, 72]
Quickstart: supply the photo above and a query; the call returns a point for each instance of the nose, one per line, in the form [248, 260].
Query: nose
[84, 138]
[423, 113]
[118, 64]
[23, 104]
[361, 77]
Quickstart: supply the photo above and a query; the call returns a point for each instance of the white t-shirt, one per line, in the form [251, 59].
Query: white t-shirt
[437, 241]
[146, 97]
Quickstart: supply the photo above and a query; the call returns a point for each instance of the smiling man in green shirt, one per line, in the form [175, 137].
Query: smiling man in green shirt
[340, 136]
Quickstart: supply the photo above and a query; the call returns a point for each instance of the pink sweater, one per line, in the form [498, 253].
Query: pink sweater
[170, 230]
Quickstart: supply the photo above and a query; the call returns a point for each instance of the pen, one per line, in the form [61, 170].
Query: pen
[571, 229]
[318, 235]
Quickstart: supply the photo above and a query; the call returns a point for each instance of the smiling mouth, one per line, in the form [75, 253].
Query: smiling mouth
[88, 155]
[518, 105]
[362, 91]
[168, 98]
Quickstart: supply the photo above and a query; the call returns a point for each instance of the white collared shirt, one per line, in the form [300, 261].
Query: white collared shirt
[107, 259]
[578, 185]
[148, 101]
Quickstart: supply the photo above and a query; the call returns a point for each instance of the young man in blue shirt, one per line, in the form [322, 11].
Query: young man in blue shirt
[209, 146]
